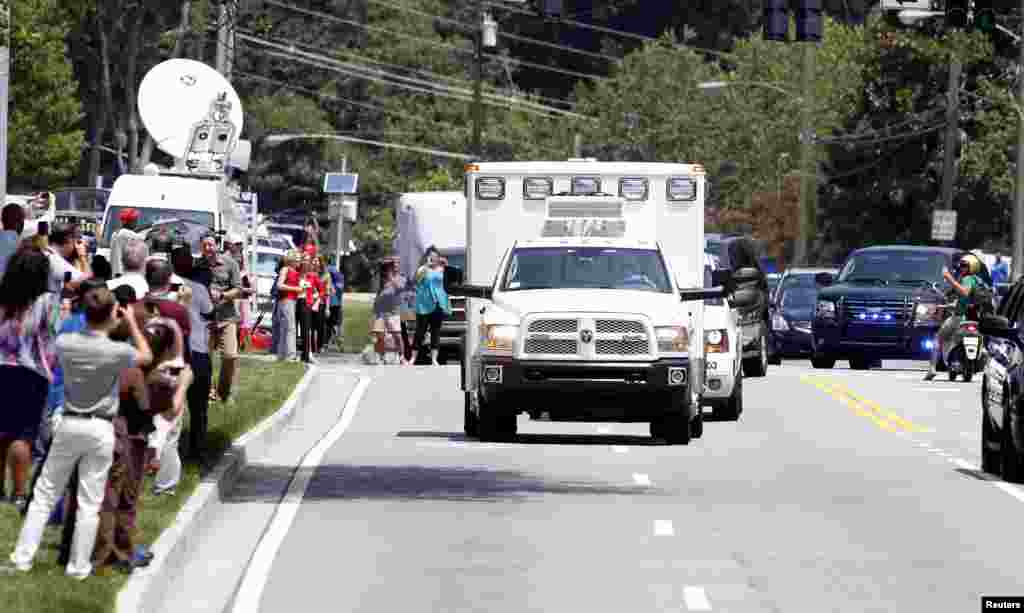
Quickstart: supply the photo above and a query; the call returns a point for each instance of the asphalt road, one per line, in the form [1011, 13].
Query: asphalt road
[836, 491]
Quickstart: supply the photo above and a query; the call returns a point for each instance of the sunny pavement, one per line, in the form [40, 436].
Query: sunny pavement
[836, 491]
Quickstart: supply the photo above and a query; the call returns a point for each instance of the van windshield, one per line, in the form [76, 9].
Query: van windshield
[149, 216]
[586, 268]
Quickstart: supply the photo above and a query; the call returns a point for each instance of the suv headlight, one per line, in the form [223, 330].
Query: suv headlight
[779, 323]
[499, 337]
[672, 339]
[927, 314]
[826, 309]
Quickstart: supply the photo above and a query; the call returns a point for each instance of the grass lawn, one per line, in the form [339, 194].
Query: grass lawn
[356, 324]
[262, 387]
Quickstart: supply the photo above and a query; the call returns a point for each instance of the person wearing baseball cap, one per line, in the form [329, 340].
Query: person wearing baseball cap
[129, 219]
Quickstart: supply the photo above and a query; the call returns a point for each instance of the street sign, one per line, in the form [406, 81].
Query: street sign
[340, 183]
[943, 225]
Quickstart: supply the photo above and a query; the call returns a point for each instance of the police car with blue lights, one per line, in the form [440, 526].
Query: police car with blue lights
[585, 286]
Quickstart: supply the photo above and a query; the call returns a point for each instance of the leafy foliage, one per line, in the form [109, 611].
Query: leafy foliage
[45, 141]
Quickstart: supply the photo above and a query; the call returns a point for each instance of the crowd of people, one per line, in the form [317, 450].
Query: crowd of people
[307, 309]
[101, 369]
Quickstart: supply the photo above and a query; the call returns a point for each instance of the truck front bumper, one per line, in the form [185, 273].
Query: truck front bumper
[588, 391]
[907, 343]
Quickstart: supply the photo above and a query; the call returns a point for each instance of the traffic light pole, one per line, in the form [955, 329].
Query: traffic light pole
[1017, 265]
[952, 134]
[808, 162]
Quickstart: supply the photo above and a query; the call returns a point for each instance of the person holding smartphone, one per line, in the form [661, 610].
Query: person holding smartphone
[63, 251]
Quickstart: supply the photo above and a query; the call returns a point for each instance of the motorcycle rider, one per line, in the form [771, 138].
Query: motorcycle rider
[967, 270]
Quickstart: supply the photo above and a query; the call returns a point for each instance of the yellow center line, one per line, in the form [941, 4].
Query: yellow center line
[885, 419]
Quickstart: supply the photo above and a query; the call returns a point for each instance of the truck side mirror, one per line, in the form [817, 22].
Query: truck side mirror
[453, 277]
[995, 325]
[823, 279]
[701, 293]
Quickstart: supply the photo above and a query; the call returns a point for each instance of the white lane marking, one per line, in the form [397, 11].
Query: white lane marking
[641, 479]
[604, 430]
[250, 590]
[996, 481]
[619, 448]
[663, 527]
[696, 599]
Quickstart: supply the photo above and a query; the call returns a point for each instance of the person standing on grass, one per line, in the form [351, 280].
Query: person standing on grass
[288, 290]
[30, 317]
[337, 299]
[225, 288]
[85, 437]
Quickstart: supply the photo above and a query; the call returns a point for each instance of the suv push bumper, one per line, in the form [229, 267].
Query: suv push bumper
[914, 343]
[588, 391]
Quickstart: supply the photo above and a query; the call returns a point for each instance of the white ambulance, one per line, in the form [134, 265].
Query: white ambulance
[585, 284]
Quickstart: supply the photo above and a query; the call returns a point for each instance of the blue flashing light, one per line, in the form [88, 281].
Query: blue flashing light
[928, 343]
[888, 317]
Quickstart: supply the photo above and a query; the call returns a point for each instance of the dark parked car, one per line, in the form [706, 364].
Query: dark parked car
[792, 310]
[737, 252]
[886, 303]
[1002, 389]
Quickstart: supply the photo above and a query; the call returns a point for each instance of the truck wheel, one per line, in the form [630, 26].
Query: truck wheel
[822, 361]
[491, 425]
[968, 373]
[989, 457]
[674, 429]
[860, 363]
[757, 366]
[470, 425]
[1009, 454]
[733, 407]
[697, 425]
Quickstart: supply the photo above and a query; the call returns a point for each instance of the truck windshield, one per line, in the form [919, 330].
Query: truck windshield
[150, 216]
[897, 267]
[586, 268]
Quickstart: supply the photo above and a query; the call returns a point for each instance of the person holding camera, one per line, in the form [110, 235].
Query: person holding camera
[432, 304]
[225, 286]
[92, 365]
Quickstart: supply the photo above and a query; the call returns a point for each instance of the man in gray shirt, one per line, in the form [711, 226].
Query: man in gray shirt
[225, 287]
[92, 365]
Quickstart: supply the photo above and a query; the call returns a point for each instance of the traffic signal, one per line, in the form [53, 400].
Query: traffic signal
[957, 13]
[808, 21]
[985, 16]
[776, 20]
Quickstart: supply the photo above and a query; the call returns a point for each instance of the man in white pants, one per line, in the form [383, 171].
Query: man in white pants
[92, 365]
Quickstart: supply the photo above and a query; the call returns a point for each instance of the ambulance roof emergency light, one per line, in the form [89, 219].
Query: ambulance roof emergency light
[537, 188]
[490, 188]
[681, 189]
[633, 189]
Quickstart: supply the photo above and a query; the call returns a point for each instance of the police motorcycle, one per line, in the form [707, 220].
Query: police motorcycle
[964, 353]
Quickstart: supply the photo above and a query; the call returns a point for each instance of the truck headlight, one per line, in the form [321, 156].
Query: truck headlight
[779, 323]
[826, 309]
[927, 314]
[716, 341]
[672, 339]
[499, 337]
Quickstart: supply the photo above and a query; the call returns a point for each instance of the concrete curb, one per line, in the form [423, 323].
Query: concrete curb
[146, 588]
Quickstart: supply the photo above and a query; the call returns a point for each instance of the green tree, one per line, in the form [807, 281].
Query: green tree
[45, 142]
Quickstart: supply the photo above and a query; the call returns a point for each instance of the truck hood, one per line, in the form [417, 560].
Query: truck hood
[834, 292]
[663, 309]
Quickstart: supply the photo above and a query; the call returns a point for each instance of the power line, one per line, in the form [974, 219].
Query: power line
[381, 109]
[386, 145]
[376, 75]
[426, 41]
[427, 73]
[860, 142]
[596, 28]
[518, 37]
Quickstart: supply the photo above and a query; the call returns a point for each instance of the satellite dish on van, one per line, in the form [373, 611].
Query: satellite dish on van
[178, 94]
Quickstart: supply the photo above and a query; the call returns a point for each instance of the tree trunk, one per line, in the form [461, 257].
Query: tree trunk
[108, 113]
[179, 45]
[130, 88]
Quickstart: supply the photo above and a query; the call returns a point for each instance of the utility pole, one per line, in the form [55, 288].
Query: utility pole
[478, 76]
[5, 82]
[226, 38]
[808, 161]
[1017, 265]
[952, 134]
[577, 145]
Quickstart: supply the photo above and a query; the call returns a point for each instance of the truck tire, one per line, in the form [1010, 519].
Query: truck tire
[989, 456]
[822, 361]
[860, 363]
[470, 425]
[697, 425]
[757, 366]
[493, 426]
[733, 407]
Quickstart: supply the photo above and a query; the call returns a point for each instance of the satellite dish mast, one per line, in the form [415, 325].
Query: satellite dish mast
[193, 115]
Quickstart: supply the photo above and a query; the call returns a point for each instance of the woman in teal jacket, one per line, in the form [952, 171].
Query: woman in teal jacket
[432, 304]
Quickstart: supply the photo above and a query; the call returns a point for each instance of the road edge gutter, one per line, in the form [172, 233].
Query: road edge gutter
[146, 587]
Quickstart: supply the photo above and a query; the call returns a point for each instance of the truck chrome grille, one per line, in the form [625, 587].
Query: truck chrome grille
[555, 326]
[615, 347]
[556, 346]
[618, 326]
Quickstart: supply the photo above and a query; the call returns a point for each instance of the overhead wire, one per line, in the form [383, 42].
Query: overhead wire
[509, 35]
[406, 82]
[426, 73]
[426, 41]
